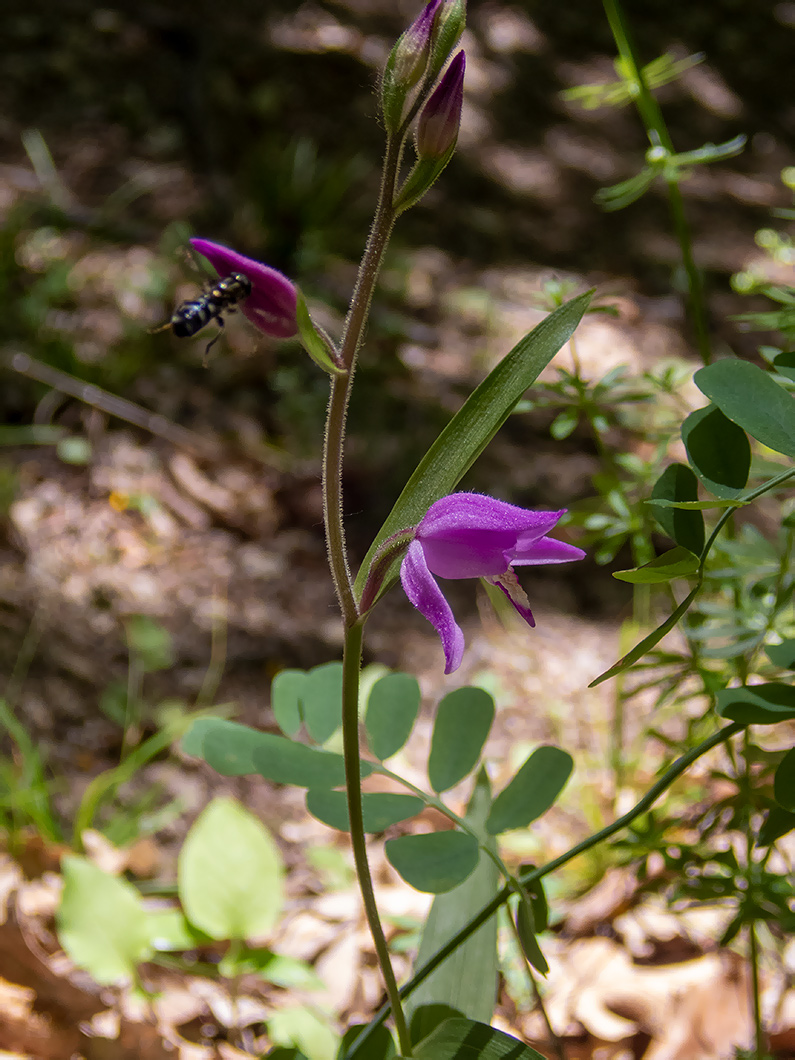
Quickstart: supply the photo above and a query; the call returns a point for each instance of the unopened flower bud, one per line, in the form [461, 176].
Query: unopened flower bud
[407, 63]
[437, 128]
[447, 29]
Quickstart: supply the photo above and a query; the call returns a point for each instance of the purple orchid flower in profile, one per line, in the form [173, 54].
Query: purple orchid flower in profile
[271, 306]
[467, 535]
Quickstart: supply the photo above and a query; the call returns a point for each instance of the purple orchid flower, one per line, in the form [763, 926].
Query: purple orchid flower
[271, 306]
[467, 535]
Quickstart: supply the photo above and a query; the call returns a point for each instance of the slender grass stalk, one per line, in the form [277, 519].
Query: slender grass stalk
[652, 117]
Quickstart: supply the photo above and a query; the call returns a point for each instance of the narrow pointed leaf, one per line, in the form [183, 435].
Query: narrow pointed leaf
[230, 873]
[749, 396]
[435, 862]
[101, 921]
[392, 708]
[286, 693]
[313, 340]
[462, 1039]
[474, 425]
[526, 931]
[381, 809]
[463, 721]
[322, 701]
[467, 980]
[757, 704]
[677, 563]
[678, 483]
[649, 642]
[718, 450]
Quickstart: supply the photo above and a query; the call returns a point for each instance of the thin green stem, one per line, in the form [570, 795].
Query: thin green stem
[675, 770]
[652, 118]
[334, 437]
[351, 663]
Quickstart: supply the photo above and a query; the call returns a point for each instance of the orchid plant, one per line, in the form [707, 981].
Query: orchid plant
[434, 532]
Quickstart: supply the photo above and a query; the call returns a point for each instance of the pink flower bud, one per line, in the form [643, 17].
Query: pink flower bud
[437, 128]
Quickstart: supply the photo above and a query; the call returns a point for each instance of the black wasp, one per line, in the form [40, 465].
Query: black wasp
[190, 317]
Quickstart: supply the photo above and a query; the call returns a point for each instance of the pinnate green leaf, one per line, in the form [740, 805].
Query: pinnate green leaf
[718, 450]
[763, 704]
[380, 809]
[102, 924]
[230, 873]
[435, 862]
[463, 721]
[749, 396]
[392, 708]
[532, 791]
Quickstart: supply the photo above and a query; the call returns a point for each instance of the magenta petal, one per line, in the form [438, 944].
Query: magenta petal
[547, 550]
[271, 306]
[423, 592]
[473, 511]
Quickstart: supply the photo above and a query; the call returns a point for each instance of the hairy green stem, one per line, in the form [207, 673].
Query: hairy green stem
[644, 804]
[333, 448]
[334, 436]
[652, 118]
[351, 662]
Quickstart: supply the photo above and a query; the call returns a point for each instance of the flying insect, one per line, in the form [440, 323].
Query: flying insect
[190, 317]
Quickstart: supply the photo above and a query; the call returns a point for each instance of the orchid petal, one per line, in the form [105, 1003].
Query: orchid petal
[271, 306]
[423, 592]
[546, 550]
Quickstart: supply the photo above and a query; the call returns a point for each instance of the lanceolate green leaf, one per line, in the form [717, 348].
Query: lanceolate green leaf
[475, 424]
[467, 980]
[647, 643]
[749, 396]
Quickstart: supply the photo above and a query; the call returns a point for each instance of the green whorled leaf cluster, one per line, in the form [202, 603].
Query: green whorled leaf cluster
[229, 885]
